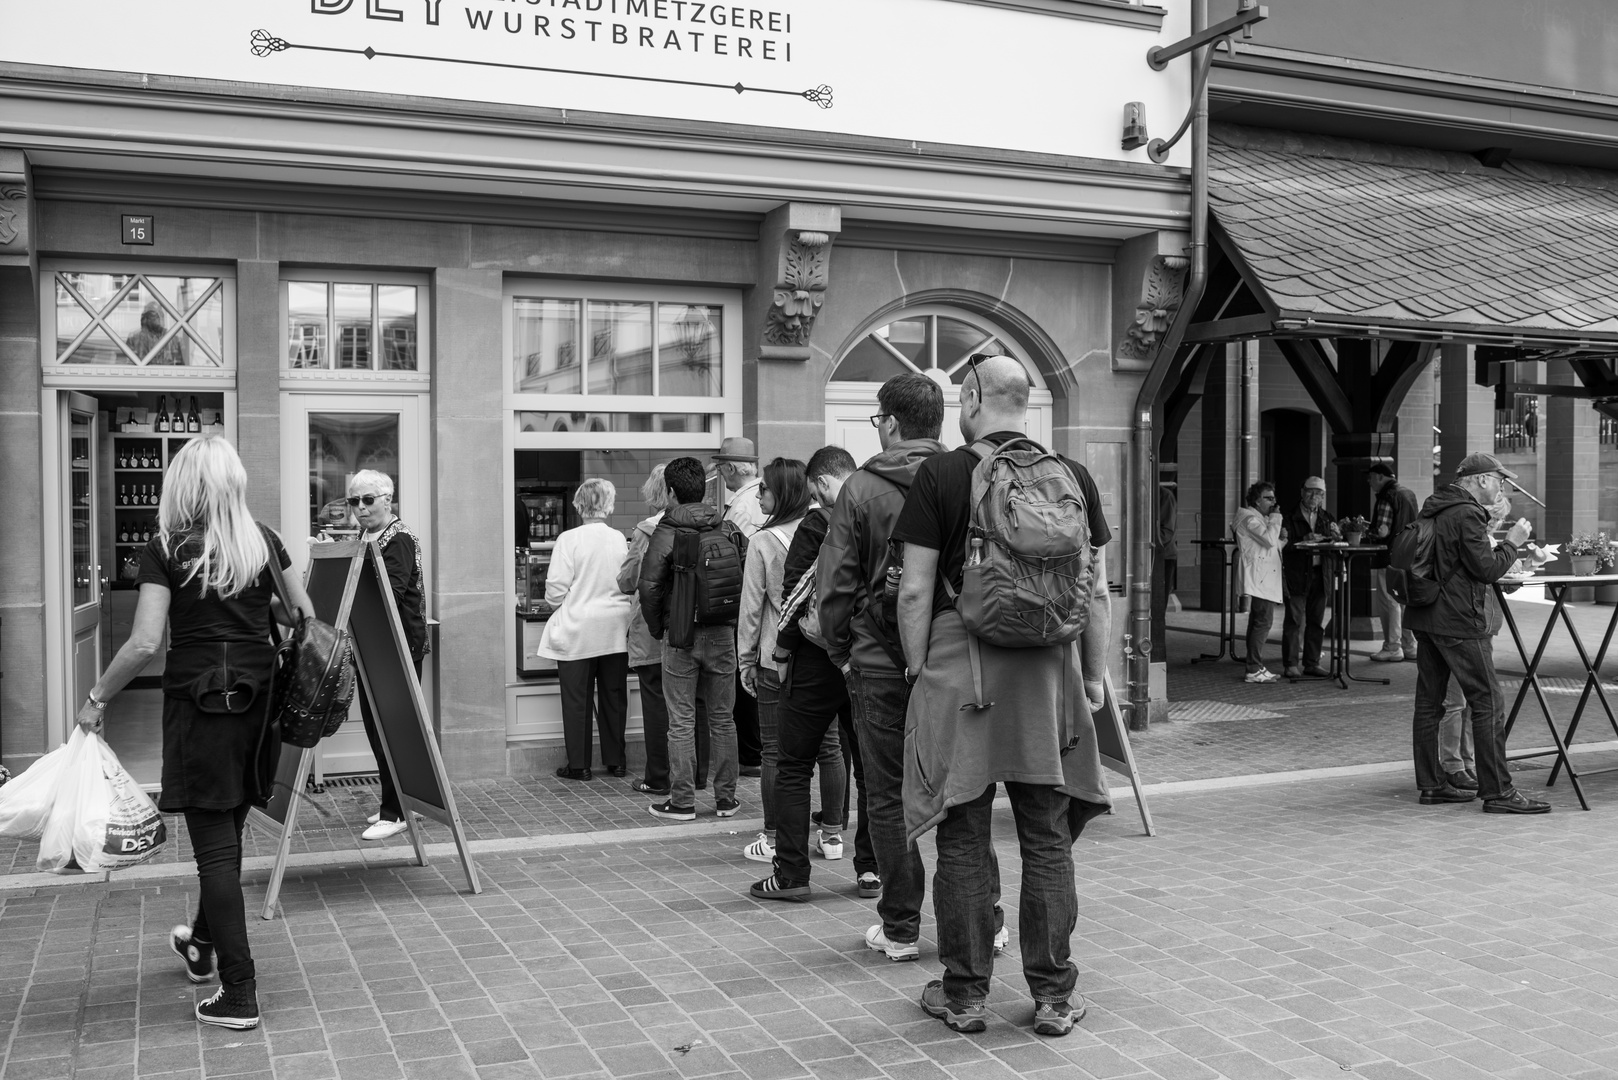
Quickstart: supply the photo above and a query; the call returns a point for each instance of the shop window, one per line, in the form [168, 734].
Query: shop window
[353, 326]
[924, 342]
[126, 319]
[626, 348]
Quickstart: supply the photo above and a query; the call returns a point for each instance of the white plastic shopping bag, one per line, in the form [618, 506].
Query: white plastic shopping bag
[102, 820]
[26, 799]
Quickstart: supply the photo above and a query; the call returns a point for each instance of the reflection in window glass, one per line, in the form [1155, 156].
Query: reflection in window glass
[351, 320]
[340, 445]
[620, 347]
[684, 423]
[689, 351]
[306, 324]
[908, 336]
[545, 346]
[396, 315]
[869, 361]
[132, 319]
[207, 325]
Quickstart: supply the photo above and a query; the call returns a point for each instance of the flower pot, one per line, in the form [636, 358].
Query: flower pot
[1354, 538]
[1583, 565]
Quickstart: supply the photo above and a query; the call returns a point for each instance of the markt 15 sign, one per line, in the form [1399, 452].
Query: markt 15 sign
[974, 72]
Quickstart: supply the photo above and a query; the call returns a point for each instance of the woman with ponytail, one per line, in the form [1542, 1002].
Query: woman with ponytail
[206, 578]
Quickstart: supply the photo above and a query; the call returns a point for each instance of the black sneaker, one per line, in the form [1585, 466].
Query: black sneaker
[198, 955]
[646, 789]
[1057, 1019]
[1515, 803]
[934, 1002]
[672, 812]
[772, 888]
[726, 807]
[1446, 794]
[234, 1006]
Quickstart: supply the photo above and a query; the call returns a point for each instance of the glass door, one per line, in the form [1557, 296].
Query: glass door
[326, 440]
[87, 585]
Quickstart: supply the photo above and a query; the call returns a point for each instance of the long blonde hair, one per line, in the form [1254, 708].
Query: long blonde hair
[204, 506]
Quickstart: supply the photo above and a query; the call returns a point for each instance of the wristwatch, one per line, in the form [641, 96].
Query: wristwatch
[98, 706]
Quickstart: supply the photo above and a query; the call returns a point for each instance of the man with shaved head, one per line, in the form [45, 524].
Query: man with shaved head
[1030, 728]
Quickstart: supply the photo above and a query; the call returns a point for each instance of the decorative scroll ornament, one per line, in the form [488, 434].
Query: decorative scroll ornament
[13, 205]
[797, 299]
[1163, 290]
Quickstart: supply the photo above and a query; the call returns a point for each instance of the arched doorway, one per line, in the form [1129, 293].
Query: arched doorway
[934, 340]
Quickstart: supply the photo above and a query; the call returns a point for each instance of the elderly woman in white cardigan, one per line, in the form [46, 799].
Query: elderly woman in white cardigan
[587, 634]
[1259, 540]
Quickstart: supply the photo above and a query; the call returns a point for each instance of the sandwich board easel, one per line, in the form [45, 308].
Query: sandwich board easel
[1112, 739]
[348, 586]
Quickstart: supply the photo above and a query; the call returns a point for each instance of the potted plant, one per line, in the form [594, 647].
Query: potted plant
[1607, 593]
[1354, 529]
[1585, 551]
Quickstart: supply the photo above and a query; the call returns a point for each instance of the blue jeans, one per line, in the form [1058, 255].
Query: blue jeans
[1302, 628]
[880, 703]
[708, 666]
[1455, 747]
[965, 886]
[1471, 661]
[1260, 617]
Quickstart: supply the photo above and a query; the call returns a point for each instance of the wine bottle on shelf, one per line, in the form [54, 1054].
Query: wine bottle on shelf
[193, 419]
[123, 533]
[162, 423]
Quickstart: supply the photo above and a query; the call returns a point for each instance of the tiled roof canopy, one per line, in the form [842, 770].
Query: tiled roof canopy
[1335, 230]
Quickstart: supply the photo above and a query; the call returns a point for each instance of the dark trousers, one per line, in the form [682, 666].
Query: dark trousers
[966, 885]
[610, 677]
[654, 712]
[1301, 630]
[813, 698]
[1471, 661]
[1260, 617]
[880, 704]
[216, 840]
[854, 785]
[749, 744]
[390, 809]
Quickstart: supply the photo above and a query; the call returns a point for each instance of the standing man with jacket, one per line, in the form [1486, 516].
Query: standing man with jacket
[1030, 730]
[1455, 636]
[1303, 581]
[709, 662]
[1395, 508]
[737, 466]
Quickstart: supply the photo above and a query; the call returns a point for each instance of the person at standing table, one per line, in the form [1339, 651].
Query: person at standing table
[785, 501]
[706, 667]
[587, 634]
[1303, 583]
[737, 464]
[370, 500]
[646, 655]
[1031, 730]
[1395, 508]
[1260, 536]
[1455, 637]
[207, 577]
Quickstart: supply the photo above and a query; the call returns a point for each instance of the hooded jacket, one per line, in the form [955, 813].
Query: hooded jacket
[656, 573]
[643, 650]
[1465, 566]
[854, 557]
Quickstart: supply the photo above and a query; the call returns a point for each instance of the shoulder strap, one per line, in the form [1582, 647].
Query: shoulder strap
[882, 639]
[280, 582]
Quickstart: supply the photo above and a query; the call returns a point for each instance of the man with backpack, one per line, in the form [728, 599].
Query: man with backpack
[1444, 569]
[859, 619]
[1000, 577]
[690, 592]
[1395, 508]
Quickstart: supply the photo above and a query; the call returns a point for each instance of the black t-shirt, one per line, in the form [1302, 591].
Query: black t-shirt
[195, 619]
[938, 512]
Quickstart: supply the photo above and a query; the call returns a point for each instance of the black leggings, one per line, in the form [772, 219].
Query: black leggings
[216, 840]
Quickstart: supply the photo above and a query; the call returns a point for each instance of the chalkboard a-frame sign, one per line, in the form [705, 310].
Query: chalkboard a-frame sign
[348, 585]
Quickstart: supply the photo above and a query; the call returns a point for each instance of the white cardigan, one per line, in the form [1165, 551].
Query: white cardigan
[592, 615]
[1258, 538]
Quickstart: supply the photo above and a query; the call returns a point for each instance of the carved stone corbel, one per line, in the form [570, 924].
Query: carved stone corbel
[13, 216]
[802, 265]
[1148, 286]
[1160, 298]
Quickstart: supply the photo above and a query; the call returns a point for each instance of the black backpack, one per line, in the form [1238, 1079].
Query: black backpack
[1410, 564]
[707, 564]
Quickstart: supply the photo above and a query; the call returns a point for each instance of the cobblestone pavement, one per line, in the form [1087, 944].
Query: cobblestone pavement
[1308, 930]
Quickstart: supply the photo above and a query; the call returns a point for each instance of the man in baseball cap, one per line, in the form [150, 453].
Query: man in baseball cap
[1481, 464]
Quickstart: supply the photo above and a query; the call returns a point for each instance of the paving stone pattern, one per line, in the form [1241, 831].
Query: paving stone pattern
[1301, 931]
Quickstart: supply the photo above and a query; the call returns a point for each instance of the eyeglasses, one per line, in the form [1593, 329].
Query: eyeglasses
[355, 500]
[877, 418]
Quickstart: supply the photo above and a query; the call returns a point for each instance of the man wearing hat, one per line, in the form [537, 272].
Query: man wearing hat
[1395, 508]
[1303, 580]
[737, 465]
[1455, 637]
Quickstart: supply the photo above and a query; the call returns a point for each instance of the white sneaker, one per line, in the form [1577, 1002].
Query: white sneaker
[384, 829]
[877, 941]
[760, 850]
[1263, 676]
[1388, 656]
[830, 847]
[1002, 938]
[374, 818]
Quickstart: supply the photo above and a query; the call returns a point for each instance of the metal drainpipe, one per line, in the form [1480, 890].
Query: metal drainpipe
[1143, 451]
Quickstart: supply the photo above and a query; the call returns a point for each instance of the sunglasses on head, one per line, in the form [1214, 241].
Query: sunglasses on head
[355, 500]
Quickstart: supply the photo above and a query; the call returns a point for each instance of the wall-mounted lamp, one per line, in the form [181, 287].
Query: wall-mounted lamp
[1135, 135]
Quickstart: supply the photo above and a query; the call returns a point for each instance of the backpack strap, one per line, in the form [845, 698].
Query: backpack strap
[882, 640]
[280, 582]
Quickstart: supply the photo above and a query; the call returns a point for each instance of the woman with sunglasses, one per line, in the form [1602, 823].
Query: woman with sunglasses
[370, 500]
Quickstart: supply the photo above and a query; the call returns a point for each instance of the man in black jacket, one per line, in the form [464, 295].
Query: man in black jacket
[1395, 508]
[1455, 636]
[1303, 581]
[709, 664]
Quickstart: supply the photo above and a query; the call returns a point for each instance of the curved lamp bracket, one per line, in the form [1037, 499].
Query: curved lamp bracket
[1158, 57]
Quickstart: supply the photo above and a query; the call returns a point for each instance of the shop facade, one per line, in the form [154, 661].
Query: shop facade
[482, 261]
